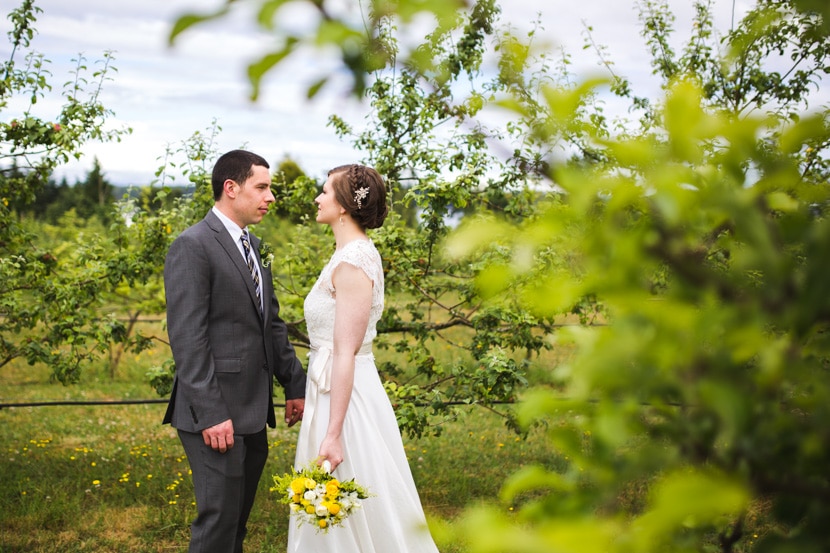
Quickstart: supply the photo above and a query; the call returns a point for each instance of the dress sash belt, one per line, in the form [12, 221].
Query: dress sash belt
[319, 371]
[319, 376]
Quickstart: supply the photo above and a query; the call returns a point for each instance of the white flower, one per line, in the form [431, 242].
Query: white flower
[310, 495]
[321, 511]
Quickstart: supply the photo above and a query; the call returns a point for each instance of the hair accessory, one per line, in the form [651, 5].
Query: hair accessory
[360, 195]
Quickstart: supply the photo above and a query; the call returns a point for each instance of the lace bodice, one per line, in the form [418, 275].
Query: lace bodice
[319, 304]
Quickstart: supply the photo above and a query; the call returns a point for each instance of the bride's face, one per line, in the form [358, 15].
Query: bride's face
[328, 210]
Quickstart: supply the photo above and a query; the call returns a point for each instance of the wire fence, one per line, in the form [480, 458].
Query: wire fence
[82, 402]
[163, 400]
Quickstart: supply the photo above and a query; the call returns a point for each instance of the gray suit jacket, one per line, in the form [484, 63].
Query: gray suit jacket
[226, 353]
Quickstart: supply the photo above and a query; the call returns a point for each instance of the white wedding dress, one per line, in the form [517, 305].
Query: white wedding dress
[392, 519]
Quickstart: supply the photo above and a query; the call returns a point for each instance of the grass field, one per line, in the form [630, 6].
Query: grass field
[102, 478]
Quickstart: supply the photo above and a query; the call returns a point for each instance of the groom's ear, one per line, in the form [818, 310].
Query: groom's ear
[230, 187]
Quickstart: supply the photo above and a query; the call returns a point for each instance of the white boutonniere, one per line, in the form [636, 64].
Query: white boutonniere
[266, 254]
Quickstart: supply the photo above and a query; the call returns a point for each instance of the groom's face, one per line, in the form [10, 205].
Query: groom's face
[252, 198]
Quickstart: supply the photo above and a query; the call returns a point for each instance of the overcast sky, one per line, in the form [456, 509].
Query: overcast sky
[166, 94]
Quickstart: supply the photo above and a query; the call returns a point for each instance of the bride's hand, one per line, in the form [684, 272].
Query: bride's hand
[331, 450]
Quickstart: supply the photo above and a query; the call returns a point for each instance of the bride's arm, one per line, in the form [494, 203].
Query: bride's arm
[353, 302]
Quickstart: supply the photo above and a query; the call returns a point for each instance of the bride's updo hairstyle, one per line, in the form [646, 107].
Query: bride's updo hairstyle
[362, 192]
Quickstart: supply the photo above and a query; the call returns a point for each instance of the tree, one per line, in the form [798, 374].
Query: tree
[496, 343]
[439, 164]
[291, 186]
[92, 197]
[357, 39]
[96, 193]
[703, 235]
[48, 303]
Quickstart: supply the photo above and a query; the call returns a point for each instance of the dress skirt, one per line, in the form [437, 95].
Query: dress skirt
[392, 519]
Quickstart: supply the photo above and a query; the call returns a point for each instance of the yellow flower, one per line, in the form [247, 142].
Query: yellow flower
[310, 509]
[333, 507]
[298, 485]
[322, 523]
[332, 487]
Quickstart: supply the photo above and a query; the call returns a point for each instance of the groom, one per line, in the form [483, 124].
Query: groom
[228, 344]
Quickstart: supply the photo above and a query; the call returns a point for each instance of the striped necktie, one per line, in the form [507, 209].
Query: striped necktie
[249, 259]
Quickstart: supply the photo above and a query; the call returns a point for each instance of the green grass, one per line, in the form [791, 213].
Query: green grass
[112, 478]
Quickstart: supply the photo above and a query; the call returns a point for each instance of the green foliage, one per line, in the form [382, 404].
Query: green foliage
[771, 61]
[707, 243]
[698, 239]
[361, 50]
[49, 299]
[440, 166]
[693, 246]
[92, 197]
[72, 292]
[43, 143]
[292, 189]
[433, 175]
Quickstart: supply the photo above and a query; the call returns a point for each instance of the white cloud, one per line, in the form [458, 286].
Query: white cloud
[165, 94]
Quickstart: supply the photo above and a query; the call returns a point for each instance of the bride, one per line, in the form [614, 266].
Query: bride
[348, 419]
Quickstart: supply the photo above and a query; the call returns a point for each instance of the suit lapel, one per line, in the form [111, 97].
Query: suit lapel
[235, 257]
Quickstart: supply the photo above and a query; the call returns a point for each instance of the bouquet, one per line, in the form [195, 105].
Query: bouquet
[316, 497]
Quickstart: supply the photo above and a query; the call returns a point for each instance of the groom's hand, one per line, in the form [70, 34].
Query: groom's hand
[219, 437]
[294, 411]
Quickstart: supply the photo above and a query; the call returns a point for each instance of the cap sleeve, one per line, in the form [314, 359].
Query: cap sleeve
[363, 255]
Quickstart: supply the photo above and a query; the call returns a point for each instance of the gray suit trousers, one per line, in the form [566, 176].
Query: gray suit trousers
[225, 485]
